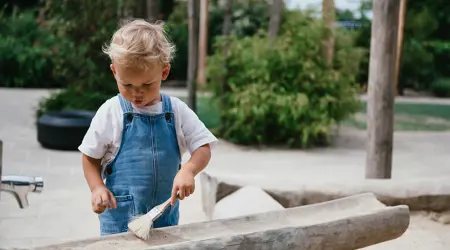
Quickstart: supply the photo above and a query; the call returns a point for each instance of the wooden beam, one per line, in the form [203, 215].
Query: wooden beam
[328, 13]
[400, 33]
[381, 93]
[275, 18]
[193, 53]
[203, 42]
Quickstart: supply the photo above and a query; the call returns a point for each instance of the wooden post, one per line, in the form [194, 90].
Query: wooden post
[152, 10]
[380, 106]
[1, 159]
[400, 32]
[328, 13]
[193, 54]
[203, 42]
[275, 18]
[226, 31]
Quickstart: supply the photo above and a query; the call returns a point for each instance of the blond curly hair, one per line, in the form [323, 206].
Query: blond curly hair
[139, 44]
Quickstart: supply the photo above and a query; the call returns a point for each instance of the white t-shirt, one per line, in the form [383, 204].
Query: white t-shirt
[102, 140]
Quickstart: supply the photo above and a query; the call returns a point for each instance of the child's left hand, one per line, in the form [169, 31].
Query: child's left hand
[183, 184]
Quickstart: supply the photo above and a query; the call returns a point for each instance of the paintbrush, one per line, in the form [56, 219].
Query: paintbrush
[141, 226]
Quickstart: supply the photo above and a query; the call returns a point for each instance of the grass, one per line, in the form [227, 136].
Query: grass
[207, 111]
[408, 116]
[411, 117]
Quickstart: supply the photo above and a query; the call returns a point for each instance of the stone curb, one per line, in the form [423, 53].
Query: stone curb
[418, 195]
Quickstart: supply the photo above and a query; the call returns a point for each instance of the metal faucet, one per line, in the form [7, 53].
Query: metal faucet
[20, 186]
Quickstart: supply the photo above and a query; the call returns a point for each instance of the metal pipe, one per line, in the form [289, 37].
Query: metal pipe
[20, 186]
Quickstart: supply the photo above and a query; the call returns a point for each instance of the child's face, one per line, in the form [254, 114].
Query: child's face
[142, 88]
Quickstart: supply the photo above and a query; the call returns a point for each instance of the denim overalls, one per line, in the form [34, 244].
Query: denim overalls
[142, 173]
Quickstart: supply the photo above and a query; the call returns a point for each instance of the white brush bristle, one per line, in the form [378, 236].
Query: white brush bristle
[141, 227]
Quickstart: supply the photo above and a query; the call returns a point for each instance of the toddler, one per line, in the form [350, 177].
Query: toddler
[131, 153]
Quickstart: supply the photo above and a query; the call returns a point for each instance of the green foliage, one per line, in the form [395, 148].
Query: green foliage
[426, 43]
[72, 98]
[249, 16]
[282, 92]
[28, 52]
[441, 88]
[84, 65]
[417, 58]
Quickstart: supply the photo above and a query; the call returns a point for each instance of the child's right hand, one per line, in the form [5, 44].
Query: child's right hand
[102, 198]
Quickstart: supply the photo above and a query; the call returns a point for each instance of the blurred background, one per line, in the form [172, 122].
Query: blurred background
[57, 45]
[265, 76]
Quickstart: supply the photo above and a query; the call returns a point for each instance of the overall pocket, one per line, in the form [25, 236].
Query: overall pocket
[116, 220]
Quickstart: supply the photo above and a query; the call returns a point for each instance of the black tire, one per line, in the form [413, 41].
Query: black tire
[63, 130]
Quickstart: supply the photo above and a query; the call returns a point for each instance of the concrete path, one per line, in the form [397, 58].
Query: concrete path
[62, 212]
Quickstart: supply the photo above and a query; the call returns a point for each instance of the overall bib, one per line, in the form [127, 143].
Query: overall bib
[142, 173]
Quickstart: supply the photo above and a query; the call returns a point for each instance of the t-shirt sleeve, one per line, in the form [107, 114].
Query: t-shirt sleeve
[99, 135]
[194, 130]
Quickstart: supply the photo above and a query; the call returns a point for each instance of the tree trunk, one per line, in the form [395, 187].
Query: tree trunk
[275, 18]
[328, 13]
[380, 106]
[400, 43]
[140, 9]
[193, 53]
[203, 42]
[152, 10]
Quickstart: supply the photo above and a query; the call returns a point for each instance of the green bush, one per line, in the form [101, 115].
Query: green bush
[29, 53]
[282, 92]
[85, 66]
[441, 88]
[249, 16]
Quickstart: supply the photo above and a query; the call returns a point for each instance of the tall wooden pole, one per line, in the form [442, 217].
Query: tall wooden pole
[328, 13]
[275, 18]
[193, 53]
[203, 42]
[400, 32]
[380, 106]
[1, 159]
[226, 32]
[152, 10]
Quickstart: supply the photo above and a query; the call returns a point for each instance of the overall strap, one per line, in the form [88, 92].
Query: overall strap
[167, 103]
[126, 105]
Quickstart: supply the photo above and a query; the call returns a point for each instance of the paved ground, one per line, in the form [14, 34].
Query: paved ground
[62, 212]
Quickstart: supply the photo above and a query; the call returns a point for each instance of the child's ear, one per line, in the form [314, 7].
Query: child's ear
[165, 72]
[113, 69]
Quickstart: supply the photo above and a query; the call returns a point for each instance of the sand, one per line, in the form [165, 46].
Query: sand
[112, 245]
[423, 234]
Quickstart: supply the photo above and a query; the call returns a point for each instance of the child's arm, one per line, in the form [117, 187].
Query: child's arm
[102, 198]
[198, 140]
[199, 160]
[184, 183]
[93, 149]
[92, 171]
